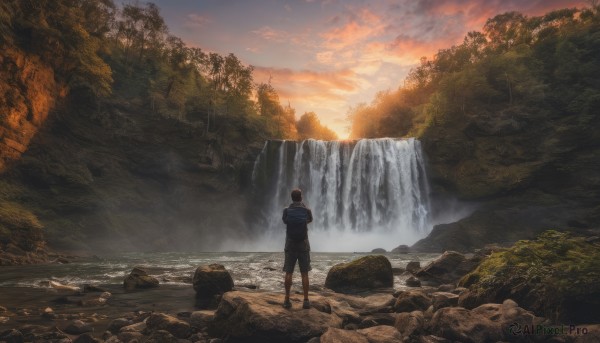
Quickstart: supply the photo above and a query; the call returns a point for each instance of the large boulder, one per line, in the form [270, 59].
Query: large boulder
[365, 273]
[410, 323]
[210, 280]
[259, 316]
[161, 321]
[460, 324]
[443, 299]
[486, 323]
[448, 268]
[413, 267]
[412, 300]
[555, 276]
[139, 279]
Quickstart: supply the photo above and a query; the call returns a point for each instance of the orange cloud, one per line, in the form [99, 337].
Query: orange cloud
[363, 24]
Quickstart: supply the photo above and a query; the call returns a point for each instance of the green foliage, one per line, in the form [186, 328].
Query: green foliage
[128, 52]
[64, 35]
[547, 63]
[551, 271]
[15, 217]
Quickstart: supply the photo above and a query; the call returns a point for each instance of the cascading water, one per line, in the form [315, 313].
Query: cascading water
[363, 194]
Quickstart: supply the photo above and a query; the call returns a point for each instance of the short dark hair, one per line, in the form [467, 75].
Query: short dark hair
[296, 195]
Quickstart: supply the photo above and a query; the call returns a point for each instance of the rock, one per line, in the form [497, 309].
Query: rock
[3, 309]
[117, 324]
[129, 336]
[447, 287]
[161, 336]
[376, 334]
[592, 335]
[409, 323]
[177, 327]
[62, 260]
[459, 290]
[412, 300]
[378, 251]
[443, 299]
[334, 335]
[377, 319]
[366, 273]
[49, 313]
[259, 316]
[506, 314]
[135, 327]
[4, 320]
[210, 280]
[432, 339]
[87, 288]
[448, 268]
[555, 264]
[459, 324]
[139, 279]
[413, 282]
[401, 249]
[95, 300]
[381, 334]
[77, 327]
[201, 319]
[413, 267]
[86, 338]
[12, 336]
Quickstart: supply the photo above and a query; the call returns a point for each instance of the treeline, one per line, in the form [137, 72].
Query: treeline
[516, 63]
[127, 54]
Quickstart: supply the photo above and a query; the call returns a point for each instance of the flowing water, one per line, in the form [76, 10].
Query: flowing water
[262, 270]
[366, 194]
[25, 288]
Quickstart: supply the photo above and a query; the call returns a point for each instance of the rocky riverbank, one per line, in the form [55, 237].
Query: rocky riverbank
[439, 308]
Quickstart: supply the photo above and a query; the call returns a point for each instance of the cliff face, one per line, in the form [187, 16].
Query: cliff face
[84, 175]
[112, 177]
[526, 170]
[28, 92]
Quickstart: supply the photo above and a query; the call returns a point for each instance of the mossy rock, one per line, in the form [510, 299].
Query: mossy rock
[366, 273]
[556, 276]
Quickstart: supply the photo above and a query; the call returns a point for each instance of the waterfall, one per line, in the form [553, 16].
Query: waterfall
[366, 192]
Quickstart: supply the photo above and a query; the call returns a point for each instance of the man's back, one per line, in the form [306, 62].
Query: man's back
[289, 212]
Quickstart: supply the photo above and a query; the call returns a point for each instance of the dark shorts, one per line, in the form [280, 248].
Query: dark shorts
[303, 258]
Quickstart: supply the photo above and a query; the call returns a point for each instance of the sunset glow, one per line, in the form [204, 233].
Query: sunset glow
[328, 55]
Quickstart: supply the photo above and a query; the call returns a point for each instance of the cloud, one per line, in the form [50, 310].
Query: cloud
[325, 84]
[270, 34]
[362, 24]
[253, 49]
[194, 20]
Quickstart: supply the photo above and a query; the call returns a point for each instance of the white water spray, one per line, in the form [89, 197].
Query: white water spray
[371, 193]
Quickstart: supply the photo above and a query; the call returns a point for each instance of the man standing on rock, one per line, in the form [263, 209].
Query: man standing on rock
[296, 217]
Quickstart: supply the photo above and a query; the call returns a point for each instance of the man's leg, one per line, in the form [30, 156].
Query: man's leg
[288, 285]
[304, 284]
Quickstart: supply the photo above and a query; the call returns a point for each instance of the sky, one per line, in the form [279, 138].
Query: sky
[327, 56]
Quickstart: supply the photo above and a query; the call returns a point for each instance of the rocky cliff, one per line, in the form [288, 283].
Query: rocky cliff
[524, 170]
[108, 176]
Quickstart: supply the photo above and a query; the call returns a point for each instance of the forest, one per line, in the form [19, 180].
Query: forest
[107, 54]
[516, 64]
